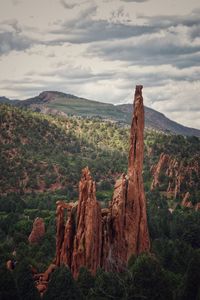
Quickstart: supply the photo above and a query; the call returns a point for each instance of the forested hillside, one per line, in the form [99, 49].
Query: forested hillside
[41, 161]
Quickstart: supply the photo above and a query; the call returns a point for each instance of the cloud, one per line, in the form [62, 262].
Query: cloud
[86, 29]
[12, 41]
[138, 1]
[67, 4]
[164, 47]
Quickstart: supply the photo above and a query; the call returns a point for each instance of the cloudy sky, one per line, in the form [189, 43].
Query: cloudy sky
[100, 49]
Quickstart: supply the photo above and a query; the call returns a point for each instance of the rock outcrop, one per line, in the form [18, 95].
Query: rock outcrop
[187, 203]
[158, 168]
[177, 178]
[37, 232]
[95, 237]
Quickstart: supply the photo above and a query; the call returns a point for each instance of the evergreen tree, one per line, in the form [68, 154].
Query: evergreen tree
[149, 279]
[85, 282]
[191, 284]
[62, 286]
[107, 286]
[25, 284]
[8, 290]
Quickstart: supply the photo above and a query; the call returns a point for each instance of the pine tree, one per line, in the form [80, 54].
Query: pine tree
[62, 286]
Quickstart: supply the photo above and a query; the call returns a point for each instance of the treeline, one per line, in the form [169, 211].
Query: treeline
[144, 278]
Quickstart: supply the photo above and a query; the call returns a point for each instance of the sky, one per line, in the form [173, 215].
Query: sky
[100, 49]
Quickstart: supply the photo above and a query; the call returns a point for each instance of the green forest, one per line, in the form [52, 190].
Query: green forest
[41, 161]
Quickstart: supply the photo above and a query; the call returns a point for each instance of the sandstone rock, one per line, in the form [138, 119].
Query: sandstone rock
[48, 272]
[129, 231]
[156, 170]
[88, 238]
[179, 176]
[10, 265]
[37, 232]
[186, 202]
[197, 206]
[95, 237]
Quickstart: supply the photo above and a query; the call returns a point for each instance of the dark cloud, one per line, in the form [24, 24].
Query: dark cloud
[166, 47]
[87, 31]
[167, 21]
[84, 29]
[68, 5]
[138, 1]
[13, 41]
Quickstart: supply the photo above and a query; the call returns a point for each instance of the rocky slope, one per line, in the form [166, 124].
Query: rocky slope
[95, 237]
[57, 103]
[178, 179]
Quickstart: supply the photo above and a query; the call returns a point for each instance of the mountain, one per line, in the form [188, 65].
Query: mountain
[158, 121]
[57, 103]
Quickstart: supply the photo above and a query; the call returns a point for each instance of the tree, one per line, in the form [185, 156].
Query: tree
[85, 282]
[8, 289]
[150, 280]
[191, 284]
[24, 281]
[62, 286]
[107, 286]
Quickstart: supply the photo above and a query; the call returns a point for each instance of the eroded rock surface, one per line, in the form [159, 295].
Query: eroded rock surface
[37, 232]
[95, 237]
[176, 177]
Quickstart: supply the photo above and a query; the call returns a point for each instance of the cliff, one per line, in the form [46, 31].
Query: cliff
[178, 179]
[95, 237]
[37, 232]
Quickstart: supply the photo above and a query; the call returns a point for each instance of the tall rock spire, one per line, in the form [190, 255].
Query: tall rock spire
[136, 225]
[95, 237]
[136, 149]
[128, 207]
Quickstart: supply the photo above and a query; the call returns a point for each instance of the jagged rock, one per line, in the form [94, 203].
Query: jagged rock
[156, 170]
[95, 237]
[88, 238]
[37, 232]
[42, 279]
[197, 206]
[178, 175]
[48, 272]
[10, 265]
[186, 202]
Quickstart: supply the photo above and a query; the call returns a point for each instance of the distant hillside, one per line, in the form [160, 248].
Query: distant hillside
[42, 153]
[57, 103]
[158, 121]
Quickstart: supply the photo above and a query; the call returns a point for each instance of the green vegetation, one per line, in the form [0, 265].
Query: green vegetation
[41, 161]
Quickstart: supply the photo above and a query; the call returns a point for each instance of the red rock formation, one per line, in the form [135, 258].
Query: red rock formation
[37, 232]
[136, 228]
[107, 238]
[128, 206]
[179, 176]
[197, 206]
[42, 279]
[157, 169]
[188, 204]
[10, 265]
[88, 238]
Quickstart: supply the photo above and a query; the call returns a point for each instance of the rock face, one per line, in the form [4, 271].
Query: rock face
[176, 178]
[187, 203]
[157, 169]
[95, 237]
[37, 232]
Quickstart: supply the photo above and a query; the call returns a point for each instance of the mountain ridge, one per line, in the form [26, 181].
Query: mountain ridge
[59, 103]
